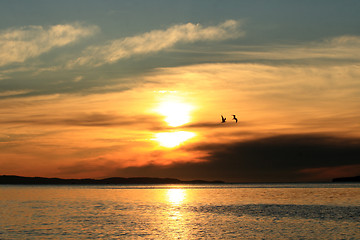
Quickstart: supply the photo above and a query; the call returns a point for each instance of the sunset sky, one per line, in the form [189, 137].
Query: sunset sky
[96, 89]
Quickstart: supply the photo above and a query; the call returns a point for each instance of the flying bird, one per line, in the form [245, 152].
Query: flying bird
[234, 118]
[223, 119]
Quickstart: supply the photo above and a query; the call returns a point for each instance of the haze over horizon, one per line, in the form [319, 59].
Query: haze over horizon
[97, 89]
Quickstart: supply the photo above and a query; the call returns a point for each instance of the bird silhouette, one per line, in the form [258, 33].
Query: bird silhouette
[223, 119]
[234, 118]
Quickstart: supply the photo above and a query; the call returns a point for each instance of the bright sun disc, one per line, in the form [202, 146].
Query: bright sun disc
[176, 113]
[173, 139]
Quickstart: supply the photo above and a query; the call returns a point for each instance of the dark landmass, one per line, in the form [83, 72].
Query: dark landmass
[17, 180]
[347, 179]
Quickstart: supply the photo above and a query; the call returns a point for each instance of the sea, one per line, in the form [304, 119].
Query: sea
[218, 211]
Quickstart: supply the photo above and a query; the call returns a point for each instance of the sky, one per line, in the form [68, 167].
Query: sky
[97, 89]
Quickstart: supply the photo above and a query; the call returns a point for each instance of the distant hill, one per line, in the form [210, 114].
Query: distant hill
[11, 179]
[347, 179]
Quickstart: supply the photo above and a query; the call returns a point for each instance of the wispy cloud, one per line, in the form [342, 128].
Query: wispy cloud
[13, 93]
[17, 45]
[85, 120]
[341, 48]
[155, 41]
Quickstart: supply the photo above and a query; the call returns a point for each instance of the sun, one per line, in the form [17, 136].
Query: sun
[173, 139]
[176, 113]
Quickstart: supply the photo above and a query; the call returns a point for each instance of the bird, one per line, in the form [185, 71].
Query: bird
[223, 119]
[234, 118]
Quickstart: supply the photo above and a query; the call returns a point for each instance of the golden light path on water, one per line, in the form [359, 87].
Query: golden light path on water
[176, 195]
[177, 219]
[176, 112]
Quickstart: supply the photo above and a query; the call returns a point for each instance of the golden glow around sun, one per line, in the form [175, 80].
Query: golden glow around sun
[174, 107]
[176, 113]
[173, 139]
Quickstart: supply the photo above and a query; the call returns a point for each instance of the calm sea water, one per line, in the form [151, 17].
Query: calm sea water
[281, 211]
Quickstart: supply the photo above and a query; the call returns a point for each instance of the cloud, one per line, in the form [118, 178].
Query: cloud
[331, 50]
[298, 157]
[214, 125]
[346, 40]
[13, 93]
[85, 120]
[18, 45]
[155, 41]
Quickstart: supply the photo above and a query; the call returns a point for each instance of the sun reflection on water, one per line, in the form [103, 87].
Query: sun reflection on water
[177, 218]
[176, 196]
